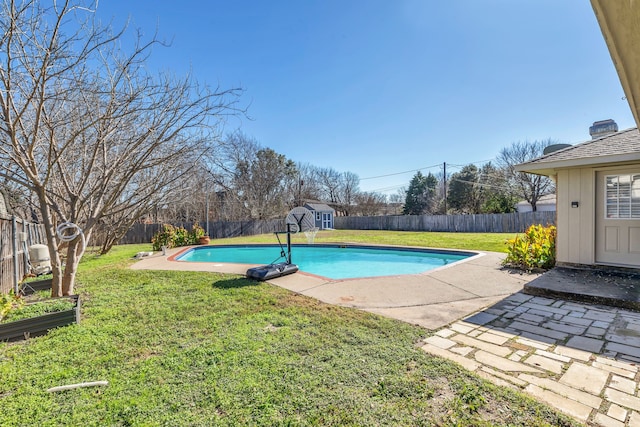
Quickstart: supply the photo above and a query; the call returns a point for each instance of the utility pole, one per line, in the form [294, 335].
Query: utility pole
[207, 213]
[300, 184]
[445, 187]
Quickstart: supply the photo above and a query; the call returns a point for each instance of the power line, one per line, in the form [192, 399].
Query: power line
[482, 184]
[384, 189]
[400, 173]
[425, 168]
[473, 163]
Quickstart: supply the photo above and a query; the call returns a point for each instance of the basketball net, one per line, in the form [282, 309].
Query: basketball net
[311, 235]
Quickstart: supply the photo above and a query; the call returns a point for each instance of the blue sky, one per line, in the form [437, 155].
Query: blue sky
[380, 87]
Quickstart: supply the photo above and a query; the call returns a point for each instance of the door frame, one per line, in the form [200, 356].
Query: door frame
[327, 220]
[600, 201]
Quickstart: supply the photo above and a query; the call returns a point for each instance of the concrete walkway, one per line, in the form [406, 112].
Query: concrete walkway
[578, 357]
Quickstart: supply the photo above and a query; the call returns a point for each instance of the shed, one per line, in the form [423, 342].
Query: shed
[323, 214]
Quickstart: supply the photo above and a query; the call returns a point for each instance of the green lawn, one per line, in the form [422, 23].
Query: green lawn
[202, 349]
[494, 242]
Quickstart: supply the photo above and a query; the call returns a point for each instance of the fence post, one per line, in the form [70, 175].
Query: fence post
[14, 245]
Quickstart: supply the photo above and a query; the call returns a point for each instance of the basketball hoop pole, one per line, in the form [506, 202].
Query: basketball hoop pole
[288, 243]
[302, 218]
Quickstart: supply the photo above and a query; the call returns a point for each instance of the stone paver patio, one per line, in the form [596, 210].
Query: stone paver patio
[581, 359]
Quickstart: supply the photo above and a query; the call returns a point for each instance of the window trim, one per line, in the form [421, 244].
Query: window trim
[615, 202]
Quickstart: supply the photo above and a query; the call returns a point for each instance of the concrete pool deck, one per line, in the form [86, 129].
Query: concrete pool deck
[432, 299]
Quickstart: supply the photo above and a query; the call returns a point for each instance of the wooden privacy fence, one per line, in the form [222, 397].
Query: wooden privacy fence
[142, 233]
[16, 235]
[485, 223]
[488, 223]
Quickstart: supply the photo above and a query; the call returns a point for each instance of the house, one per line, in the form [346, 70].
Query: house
[598, 199]
[323, 214]
[545, 203]
[618, 22]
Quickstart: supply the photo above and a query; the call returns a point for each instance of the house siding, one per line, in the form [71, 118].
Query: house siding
[562, 217]
[576, 239]
[577, 170]
[576, 235]
[587, 216]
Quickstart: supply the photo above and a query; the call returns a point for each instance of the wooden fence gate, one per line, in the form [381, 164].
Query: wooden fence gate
[16, 235]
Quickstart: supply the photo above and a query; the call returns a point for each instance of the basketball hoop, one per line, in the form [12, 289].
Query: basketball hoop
[293, 227]
[311, 235]
[300, 219]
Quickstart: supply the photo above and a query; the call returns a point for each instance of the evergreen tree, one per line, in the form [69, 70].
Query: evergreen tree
[464, 193]
[497, 196]
[420, 197]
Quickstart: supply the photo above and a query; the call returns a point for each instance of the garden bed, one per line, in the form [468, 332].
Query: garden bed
[29, 288]
[39, 316]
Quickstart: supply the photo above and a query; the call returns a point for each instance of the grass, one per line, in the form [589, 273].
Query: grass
[493, 242]
[201, 349]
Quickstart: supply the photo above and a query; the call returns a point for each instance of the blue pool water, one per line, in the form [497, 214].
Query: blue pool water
[332, 261]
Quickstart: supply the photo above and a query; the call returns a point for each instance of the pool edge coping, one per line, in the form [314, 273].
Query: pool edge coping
[473, 254]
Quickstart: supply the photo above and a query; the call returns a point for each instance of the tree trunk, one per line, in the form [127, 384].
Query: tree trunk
[74, 254]
[73, 258]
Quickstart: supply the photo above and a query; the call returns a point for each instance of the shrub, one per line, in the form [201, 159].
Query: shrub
[8, 303]
[172, 237]
[166, 237]
[181, 237]
[536, 249]
[196, 233]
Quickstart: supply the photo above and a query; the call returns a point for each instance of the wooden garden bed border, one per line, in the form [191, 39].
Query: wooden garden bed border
[39, 325]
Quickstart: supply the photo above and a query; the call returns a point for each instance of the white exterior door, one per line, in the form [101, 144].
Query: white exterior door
[327, 221]
[618, 218]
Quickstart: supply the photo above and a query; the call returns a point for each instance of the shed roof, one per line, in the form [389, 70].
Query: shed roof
[620, 147]
[320, 207]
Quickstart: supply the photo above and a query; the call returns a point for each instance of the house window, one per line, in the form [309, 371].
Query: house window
[622, 196]
[318, 216]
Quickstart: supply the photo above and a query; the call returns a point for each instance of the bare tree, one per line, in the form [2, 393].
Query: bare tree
[328, 180]
[86, 128]
[370, 203]
[307, 185]
[528, 186]
[339, 189]
[222, 164]
[348, 192]
[265, 184]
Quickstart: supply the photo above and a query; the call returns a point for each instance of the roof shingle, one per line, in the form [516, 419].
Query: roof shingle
[616, 147]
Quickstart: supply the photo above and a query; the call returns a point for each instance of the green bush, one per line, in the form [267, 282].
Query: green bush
[172, 237]
[536, 249]
[196, 233]
[9, 303]
[181, 237]
[166, 237]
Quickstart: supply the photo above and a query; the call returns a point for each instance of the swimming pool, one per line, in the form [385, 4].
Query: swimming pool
[332, 261]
